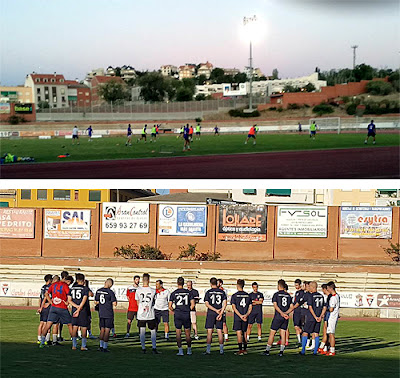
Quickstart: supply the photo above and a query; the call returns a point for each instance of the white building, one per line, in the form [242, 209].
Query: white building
[168, 70]
[205, 69]
[209, 89]
[128, 72]
[95, 72]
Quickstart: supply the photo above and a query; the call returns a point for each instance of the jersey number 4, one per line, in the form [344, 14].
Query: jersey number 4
[243, 302]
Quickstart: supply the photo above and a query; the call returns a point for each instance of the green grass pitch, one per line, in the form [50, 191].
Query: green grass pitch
[364, 349]
[169, 145]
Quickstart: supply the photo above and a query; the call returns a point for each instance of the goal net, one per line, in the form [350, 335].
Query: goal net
[327, 124]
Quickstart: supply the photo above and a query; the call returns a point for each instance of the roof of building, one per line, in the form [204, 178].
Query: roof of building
[185, 198]
[207, 64]
[59, 79]
[106, 79]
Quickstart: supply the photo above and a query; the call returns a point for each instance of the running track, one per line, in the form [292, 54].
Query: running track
[356, 163]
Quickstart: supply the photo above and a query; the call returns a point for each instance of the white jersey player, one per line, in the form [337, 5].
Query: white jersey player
[333, 308]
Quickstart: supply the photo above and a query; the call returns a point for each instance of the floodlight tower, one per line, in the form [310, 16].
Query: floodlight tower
[355, 47]
[246, 21]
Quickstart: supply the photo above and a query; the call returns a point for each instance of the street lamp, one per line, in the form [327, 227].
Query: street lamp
[249, 23]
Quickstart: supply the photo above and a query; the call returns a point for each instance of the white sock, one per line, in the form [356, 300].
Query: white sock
[79, 333]
[54, 338]
[48, 337]
[39, 337]
[282, 347]
[180, 350]
[143, 337]
[105, 344]
[332, 349]
[209, 348]
[248, 337]
[259, 337]
[322, 345]
[101, 343]
[153, 334]
[268, 347]
[166, 335]
[313, 344]
[226, 336]
[298, 338]
[325, 348]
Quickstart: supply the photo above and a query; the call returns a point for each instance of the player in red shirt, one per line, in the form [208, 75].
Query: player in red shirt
[59, 306]
[252, 134]
[133, 306]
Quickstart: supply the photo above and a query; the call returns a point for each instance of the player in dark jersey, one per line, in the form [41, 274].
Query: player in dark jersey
[216, 130]
[129, 136]
[220, 283]
[107, 301]
[216, 301]
[241, 306]
[90, 132]
[371, 132]
[79, 294]
[44, 308]
[281, 301]
[89, 313]
[298, 318]
[186, 138]
[181, 302]
[57, 295]
[257, 299]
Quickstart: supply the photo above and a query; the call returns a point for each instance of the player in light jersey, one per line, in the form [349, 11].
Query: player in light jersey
[143, 135]
[325, 340]
[181, 302]
[220, 282]
[153, 134]
[371, 132]
[133, 306]
[256, 315]
[44, 307]
[216, 301]
[198, 131]
[75, 135]
[334, 306]
[145, 297]
[193, 317]
[161, 309]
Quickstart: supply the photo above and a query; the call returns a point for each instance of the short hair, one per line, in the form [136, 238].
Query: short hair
[110, 280]
[56, 278]
[307, 282]
[136, 277]
[64, 274]
[324, 286]
[254, 283]
[286, 287]
[70, 279]
[298, 281]
[281, 283]
[160, 282]
[79, 277]
[213, 281]
[240, 282]
[180, 281]
[331, 284]
[220, 280]
[189, 281]
[146, 276]
[48, 277]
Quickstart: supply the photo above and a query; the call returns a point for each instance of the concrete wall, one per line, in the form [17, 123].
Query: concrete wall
[103, 244]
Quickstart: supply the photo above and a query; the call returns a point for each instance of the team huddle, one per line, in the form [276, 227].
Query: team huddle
[152, 306]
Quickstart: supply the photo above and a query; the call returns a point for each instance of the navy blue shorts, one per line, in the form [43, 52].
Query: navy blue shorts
[153, 134]
[162, 314]
[212, 322]
[298, 319]
[251, 136]
[186, 137]
[182, 320]
[279, 323]
[106, 323]
[326, 316]
[240, 325]
[44, 314]
[256, 317]
[312, 326]
[82, 320]
[75, 137]
[197, 132]
[313, 132]
[371, 133]
[59, 315]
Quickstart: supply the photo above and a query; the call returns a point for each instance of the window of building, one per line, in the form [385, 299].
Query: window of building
[387, 192]
[42, 194]
[365, 204]
[54, 99]
[61, 80]
[62, 91]
[37, 80]
[63, 98]
[45, 80]
[95, 195]
[3, 204]
[278, 192]
[53, 80]
[87, 101]
[76, 195]
[346, 203]
[19, 93]
[25, 194]
[365, 190]
[250, 191]
[87, 93]
[346, 190]
[38, 98]
[62, 195]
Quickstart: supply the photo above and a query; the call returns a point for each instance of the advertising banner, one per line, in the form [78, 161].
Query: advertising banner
[23, 108]
[17, 223]
[302, 222]
[5, 109]
[366, 222]
[129, 217]
[190, 220]
[242, 223]
[67, 224]
[234, 89]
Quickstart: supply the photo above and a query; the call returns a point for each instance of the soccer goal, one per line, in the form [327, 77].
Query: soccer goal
[327, 124]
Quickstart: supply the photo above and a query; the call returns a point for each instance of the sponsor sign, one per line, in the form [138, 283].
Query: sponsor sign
[366, 222]
[182, 220]
[234, 89]
[302, 222]
[67, 224]
[23, 108]
[242, 223]
[125, 217]
[17, 223]
[5, 108]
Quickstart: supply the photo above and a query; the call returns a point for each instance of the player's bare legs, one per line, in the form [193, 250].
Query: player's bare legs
[226, 332]
[270, 341]
[259, 330]
[166, 328]
[249, 327]
[188, 341]
[179, 338]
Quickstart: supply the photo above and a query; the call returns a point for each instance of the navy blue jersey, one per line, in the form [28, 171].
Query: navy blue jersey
[129, 132]
[181, 299]
[43, 290]
[283, 301]
[105, 297]
[89, 130]
[304, 303]
[327, 301]
[371, 127]
[257, 308]
[186, 131]
[215, 297]
[77, 293]
[317, 302]
[196, 296]
[242, 301]
[299, 298]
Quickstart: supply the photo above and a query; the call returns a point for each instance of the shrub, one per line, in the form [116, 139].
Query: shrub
[323, 109]
[141, 252]
[190, 253]
[280, 110]
[379, 88]
[346, 99]
[272, 108]
[200, 97]
[14, 120]
[294, 106]
[393, 251]
[351, 108]
[198, 119]
[242, 114]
